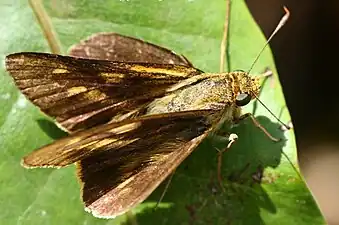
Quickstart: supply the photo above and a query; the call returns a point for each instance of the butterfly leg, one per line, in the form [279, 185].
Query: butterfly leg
[232, 138]
[257, 124]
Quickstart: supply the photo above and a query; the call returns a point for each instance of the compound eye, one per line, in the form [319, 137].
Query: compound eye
[242, 99]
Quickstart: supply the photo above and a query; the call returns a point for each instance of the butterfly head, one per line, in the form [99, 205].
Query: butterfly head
[245, 87]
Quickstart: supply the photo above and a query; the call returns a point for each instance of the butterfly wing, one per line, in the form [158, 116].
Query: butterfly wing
[117, 47]
[82, 93]
[120, 164]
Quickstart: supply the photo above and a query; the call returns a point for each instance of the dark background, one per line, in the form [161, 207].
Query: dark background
[306, 55]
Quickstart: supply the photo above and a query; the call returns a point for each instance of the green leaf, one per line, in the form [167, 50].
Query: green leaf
[193, 28]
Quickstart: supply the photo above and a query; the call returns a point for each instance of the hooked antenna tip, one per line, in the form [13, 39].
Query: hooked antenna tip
[286, 10]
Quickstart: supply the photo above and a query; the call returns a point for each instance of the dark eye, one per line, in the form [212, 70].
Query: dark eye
[239, 71]
[242, 99]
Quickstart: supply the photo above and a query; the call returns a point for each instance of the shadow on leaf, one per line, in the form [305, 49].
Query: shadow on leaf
[51, 129]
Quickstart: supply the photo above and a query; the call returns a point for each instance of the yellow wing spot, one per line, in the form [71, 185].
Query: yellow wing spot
[113, 75]
[97, 144]
[60, 71]
[104, 142]
[173, 72]
[95, 94]
[125, 128]
[122, 187]
[76, 90]
[74, 140]
[87, 144]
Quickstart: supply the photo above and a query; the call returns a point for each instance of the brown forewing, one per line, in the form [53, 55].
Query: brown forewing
[122, 163]
[117, 47]
[82, 93]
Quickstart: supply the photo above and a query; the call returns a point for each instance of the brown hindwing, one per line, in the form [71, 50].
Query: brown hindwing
[117, 47]
[122, 163]
[116, 180]
[144, 132]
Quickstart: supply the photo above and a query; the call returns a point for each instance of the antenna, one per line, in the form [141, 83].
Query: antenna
[224, 41]
[284, 124]
[278, 27]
